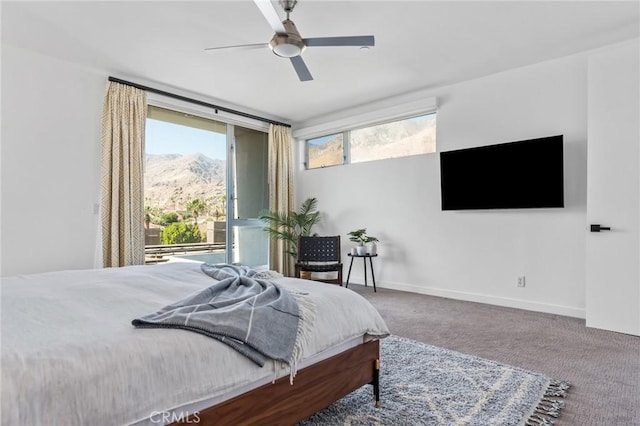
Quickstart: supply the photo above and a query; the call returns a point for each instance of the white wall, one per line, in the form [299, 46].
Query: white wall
[51, 114]
[473, 255]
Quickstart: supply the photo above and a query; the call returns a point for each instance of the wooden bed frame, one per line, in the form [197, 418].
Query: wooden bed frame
[314, 388]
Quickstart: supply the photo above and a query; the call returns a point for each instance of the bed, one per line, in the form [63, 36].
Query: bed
[71, 356]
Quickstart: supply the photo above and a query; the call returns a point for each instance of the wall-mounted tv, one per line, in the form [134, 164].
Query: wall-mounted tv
[516, 175]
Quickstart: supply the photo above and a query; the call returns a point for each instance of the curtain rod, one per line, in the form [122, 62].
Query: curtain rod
[196, 101]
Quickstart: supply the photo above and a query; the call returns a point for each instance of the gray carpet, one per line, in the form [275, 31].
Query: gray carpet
[603, 367]
[426, 385]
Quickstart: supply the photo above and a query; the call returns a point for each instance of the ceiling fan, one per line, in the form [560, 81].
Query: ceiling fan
[287, 41]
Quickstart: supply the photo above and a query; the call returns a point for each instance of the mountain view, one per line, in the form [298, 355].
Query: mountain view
[172, 180]
[397, 139]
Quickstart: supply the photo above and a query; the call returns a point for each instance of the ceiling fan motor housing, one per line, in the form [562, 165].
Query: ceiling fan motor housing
[288, 5]
[287, 45]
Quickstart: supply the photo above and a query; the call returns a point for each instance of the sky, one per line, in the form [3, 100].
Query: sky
[322, 140]
[167, 138]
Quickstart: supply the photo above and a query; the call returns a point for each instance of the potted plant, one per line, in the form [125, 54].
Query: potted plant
[360, 237]
[288, 226]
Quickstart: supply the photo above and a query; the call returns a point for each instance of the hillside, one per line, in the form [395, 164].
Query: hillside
[397, 139]
[171, 180]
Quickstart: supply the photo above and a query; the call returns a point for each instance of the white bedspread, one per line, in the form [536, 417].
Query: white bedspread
[70, 355]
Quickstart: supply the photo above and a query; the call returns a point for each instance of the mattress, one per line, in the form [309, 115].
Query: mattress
[195, 407]
[69, 352]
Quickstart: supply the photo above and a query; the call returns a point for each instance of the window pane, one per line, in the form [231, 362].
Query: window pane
[402, 138]
[251, 246]
[325, 151]
[250, 173]
[184, 184]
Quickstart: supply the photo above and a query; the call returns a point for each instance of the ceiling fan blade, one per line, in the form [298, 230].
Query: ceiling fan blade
[340, 41]
[239, 46]
[271, 15]
[301, 68]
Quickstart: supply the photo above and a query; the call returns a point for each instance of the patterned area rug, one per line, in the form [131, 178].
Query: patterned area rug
[426, 385]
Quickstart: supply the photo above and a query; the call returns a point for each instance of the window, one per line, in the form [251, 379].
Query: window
[184, 182]
[326, 151]
[198, 207]
[402, 138]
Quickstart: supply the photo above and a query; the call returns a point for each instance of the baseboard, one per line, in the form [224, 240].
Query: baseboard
[483, 298]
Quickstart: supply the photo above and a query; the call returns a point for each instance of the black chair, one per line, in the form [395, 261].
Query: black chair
[319, 254]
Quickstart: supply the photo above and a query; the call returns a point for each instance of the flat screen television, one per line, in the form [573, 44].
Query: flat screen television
[517, 175]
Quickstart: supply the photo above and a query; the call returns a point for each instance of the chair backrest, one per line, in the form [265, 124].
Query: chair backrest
[319, 249]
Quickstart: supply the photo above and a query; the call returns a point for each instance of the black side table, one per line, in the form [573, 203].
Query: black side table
[364, 258]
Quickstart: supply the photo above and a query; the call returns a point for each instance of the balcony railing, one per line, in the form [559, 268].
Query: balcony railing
[160, 253]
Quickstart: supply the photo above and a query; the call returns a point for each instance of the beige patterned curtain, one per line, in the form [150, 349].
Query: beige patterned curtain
[280, 192]
[124, 116]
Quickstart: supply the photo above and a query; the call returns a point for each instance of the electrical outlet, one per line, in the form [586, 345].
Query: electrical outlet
[521, 281]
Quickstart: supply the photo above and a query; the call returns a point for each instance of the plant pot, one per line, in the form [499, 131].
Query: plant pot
[373, 249]
[361, 250]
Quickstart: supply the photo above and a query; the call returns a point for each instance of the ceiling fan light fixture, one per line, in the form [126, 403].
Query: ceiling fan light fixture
[286, 47]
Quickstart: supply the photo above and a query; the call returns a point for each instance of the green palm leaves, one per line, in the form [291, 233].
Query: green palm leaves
[288, 226]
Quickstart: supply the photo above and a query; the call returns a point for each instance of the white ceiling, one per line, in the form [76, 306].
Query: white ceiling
[419, 45]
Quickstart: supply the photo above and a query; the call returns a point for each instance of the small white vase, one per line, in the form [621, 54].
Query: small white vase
[373, 248]
[362, 250]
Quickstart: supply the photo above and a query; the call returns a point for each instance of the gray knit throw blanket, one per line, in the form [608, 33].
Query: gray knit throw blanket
[256, 317]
